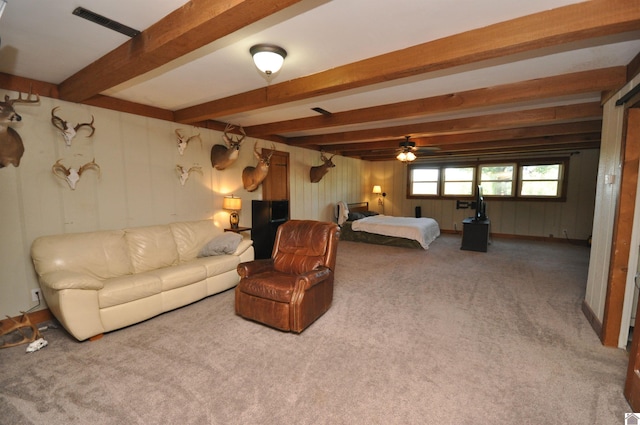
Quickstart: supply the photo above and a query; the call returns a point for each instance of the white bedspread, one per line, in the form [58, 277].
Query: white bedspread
[424, 230]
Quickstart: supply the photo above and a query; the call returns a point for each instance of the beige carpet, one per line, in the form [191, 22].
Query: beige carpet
[413, 337]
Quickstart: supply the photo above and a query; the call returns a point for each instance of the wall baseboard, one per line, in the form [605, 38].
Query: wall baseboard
[35, 317]
[592, 318]
[524, 237]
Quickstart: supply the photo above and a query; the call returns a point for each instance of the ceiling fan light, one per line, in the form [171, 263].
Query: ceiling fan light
[268, 58]
[402, 156]
[411, 156]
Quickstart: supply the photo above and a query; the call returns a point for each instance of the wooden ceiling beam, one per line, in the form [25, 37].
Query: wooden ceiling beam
[551, 28]
[365, 149]
[575, 128]
[530, 117]
[194, 25]
[593, 81]
[484, 153]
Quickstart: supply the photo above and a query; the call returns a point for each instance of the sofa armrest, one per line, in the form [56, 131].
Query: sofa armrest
[313, 277]
[64, 279]
[243, 246]
[250, 268]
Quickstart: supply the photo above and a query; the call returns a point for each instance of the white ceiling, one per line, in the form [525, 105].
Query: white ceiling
[42, 40]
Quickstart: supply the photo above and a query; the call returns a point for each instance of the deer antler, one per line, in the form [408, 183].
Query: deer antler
[89, 124]
[69, 132]
[19, 99]
[71, 175]
[229, 140]
[90, 166]
[58, 122]
[184, 173]
[59, 168]
[184, 142]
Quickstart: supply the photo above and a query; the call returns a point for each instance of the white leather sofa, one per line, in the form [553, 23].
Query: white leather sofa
[100, 281]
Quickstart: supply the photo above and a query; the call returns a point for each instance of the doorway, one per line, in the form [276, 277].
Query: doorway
[632, 384]
[275, 186]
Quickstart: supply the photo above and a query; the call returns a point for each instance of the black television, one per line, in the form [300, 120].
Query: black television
[481, 207]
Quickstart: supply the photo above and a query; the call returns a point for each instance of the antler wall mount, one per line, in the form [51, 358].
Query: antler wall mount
[69, 132]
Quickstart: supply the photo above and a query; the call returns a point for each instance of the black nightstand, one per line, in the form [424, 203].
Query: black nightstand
[238, 230]
[475, 234]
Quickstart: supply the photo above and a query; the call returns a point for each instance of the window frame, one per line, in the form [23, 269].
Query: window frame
[518, 163]
[513, 180]
[443, 180]
[562, 179]
[421, 196]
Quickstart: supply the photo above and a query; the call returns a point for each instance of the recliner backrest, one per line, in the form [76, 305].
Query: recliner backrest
[304, 245]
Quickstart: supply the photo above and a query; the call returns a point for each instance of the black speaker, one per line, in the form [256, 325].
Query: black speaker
[418, 211]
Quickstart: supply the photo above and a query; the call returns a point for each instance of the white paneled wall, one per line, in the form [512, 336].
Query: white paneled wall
[608, 191]
[538, 219]
[138, 184]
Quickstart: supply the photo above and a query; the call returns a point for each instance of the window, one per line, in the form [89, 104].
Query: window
[497, 179]
[424, 181]
[531, 179]
[458, 181]
[541, 180]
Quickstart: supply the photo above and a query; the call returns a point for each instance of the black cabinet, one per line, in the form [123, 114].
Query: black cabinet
[266, 216]
[475, 234]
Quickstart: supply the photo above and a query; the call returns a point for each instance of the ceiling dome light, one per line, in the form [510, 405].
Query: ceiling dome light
[268, 58]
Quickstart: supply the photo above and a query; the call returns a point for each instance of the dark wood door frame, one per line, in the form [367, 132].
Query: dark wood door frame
[623, 225]
[632, 383]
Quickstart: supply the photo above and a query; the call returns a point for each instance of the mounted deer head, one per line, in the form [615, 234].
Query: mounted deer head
[224, 156]
[184, 173]
[11, 147]
[184, 142]
[252, 177]
[317, 173]
[69, 132]
[71, 175]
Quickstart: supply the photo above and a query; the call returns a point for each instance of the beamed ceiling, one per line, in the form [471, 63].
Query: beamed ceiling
[462, 79]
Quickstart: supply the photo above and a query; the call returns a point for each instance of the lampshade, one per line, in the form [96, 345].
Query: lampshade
[268, 58]
[232, 203]
[377, 190]
[406, 156]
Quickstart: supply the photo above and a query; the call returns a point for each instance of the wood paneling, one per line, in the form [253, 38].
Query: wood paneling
[138, 185]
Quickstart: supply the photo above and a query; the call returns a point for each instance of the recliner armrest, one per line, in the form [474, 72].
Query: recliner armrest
[250, 268]
[315, 276]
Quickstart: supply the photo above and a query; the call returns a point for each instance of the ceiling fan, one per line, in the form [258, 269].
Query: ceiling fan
[407, 150]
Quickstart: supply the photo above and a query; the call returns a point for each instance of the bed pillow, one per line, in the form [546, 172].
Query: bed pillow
[370, 213]
[356, 216]
[226, 243]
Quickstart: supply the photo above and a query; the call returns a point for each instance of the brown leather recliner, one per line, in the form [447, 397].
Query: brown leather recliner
[294, 287]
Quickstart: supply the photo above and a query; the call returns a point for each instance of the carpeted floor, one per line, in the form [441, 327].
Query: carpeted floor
[413, 337]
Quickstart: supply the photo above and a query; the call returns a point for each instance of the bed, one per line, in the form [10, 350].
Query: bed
[358, 224]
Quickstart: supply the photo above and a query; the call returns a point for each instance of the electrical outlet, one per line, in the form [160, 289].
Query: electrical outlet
[35, 295]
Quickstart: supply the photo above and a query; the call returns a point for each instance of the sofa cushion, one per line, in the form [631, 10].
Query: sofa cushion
[219, 264]
[102, 254]
[182, 275]
[151, 248]
[226, 243]
[121, 290]
[191, 236]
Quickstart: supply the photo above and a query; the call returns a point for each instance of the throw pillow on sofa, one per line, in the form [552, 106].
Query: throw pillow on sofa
[227, 243]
